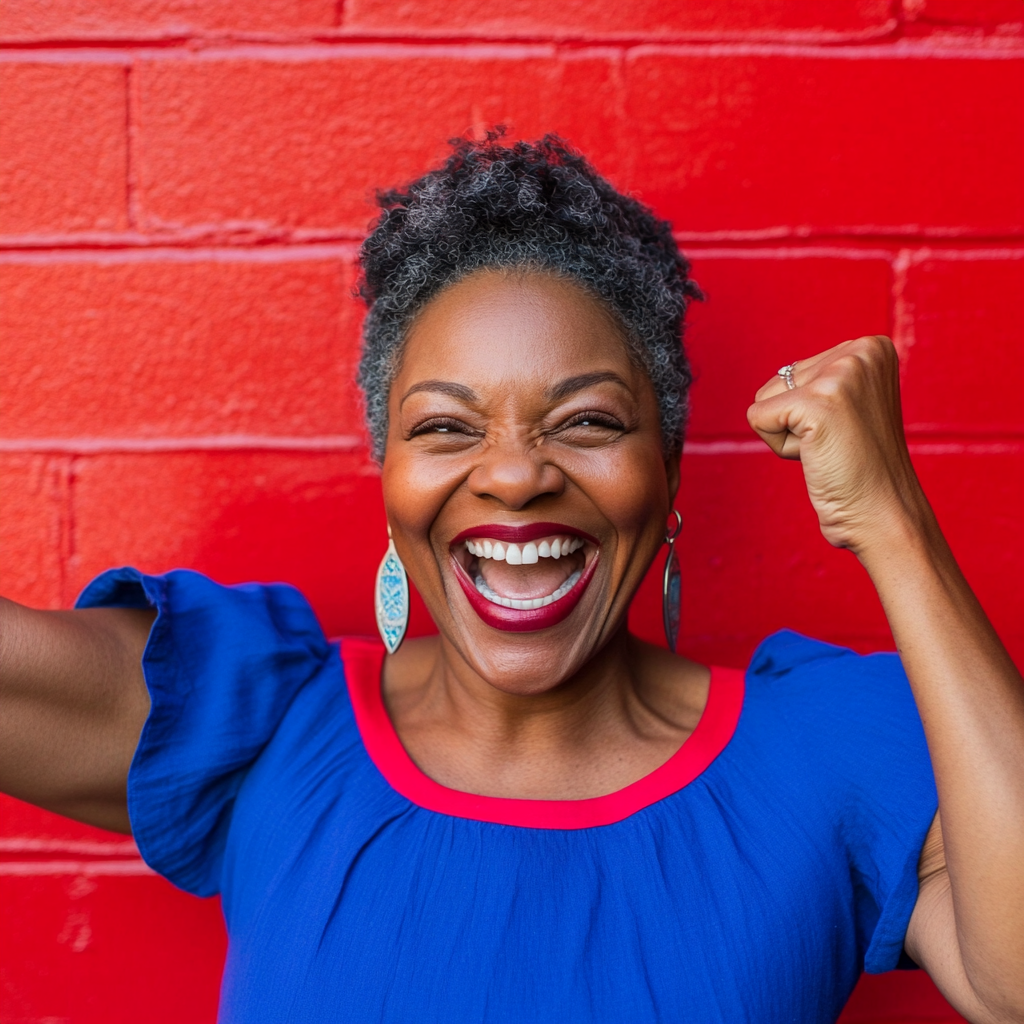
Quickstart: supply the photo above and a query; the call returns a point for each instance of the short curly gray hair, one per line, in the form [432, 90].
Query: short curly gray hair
[529, 205]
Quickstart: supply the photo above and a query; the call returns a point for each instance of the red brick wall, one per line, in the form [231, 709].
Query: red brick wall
[183, 186]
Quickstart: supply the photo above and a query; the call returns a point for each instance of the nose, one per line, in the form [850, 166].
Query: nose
[515, 475]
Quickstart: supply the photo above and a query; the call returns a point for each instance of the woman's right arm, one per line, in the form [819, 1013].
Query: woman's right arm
[73, 701]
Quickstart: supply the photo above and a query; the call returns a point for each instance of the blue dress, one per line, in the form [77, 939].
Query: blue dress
[751, 878]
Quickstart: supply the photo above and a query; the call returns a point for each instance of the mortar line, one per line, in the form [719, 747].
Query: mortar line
[341, 36]
[130, 154]
[901, 313]
[353, 46]
[129, 205]
[1006, 445]
[70, 540]
[736, 244]
[127, 866]
[297, 253]
[77, 448]
[82, 847]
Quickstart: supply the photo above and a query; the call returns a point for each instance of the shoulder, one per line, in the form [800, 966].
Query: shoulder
[199, 612]
[229, 669]
[796, 668]
[854, 713]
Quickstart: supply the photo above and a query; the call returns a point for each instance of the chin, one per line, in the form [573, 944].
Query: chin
[527, 664]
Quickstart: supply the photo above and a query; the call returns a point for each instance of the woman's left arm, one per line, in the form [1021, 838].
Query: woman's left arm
[843, 421]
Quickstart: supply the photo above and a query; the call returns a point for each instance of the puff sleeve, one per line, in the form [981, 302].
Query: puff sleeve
[222, 666]
[855, 724]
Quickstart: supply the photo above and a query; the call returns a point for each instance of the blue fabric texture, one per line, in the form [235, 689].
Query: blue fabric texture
[758, 892]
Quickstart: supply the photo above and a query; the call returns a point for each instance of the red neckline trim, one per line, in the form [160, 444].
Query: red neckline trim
[364, 659]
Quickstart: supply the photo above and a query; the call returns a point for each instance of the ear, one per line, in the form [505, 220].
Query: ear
[672, 476]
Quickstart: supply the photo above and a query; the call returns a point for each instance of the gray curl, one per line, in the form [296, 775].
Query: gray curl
[525, 206]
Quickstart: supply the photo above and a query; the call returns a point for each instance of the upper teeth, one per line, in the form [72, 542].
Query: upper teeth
[528, 553]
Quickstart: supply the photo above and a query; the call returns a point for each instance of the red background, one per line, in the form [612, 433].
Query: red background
[183, 187]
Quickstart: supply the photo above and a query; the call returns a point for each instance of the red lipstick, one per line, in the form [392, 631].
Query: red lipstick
[522, 620]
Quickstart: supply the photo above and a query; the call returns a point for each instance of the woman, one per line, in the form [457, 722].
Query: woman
[534, 816]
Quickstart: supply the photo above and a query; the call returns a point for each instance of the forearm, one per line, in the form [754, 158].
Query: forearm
[971, 700]
[72, 703]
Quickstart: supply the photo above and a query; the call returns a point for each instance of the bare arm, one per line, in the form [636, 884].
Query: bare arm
[72, 705]
[843, 422]
[967, 930]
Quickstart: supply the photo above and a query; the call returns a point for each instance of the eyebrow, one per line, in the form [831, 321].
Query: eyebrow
[563, 389]
[569, 386]
[443, 387]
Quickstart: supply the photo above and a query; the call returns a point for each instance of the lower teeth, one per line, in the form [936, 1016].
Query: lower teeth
[535, 602]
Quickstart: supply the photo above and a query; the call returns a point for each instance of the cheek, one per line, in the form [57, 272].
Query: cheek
[633, 492]
[415, 491]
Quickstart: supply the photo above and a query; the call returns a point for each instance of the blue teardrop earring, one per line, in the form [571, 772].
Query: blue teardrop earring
[672, 587]
[391, 598]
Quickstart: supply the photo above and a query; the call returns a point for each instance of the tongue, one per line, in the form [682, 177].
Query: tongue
[523, 582]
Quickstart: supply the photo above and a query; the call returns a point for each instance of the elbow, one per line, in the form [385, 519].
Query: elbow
[999, 1003]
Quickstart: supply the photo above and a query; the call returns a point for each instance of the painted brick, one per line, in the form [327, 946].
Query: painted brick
[754, 561]
[990, 14]
[806, 144]
[313, 520]
[182, 346]
[21, 821]
[964, 364]
[979, 501]
[109, 950]
[304, 144]
[110, 19]
[643, 18]
[764, 312]
[33, 522]
[763, 143]
[749, 535]
[899, 996]
[62, 148]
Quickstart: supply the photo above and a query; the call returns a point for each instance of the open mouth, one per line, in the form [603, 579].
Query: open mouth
[523, 578]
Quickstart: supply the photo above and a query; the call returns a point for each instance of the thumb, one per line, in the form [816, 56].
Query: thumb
[770, 419]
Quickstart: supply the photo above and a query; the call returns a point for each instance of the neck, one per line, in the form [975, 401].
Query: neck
[605, 685]
[624, 712]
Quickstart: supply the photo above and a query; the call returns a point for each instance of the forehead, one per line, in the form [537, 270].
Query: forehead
[520, 324]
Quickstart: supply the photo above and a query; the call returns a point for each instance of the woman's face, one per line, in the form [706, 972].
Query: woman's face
[524, 478]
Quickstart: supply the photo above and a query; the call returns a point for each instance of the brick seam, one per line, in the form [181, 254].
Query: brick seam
[346, 243]
[131, 143]
[962, 442]
[195, 49]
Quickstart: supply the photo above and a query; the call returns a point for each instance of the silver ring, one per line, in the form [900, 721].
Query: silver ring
[786, 373]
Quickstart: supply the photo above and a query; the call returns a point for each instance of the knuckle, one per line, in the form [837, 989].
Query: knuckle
[876, 346]
[834, 383]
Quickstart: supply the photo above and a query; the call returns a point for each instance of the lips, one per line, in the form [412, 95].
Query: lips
[515, 604]
[521, 534]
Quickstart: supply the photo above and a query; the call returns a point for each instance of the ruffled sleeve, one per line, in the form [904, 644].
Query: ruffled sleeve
[222, 666]
[855, 719]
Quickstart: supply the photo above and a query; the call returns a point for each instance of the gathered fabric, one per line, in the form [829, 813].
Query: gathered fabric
[750, 878]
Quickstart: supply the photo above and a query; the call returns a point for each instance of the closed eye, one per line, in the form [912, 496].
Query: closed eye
[589, 429]
[600, 420]
[442, 425]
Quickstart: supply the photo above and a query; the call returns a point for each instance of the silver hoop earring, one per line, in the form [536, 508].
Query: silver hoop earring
[672, 587]
[391, 598]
